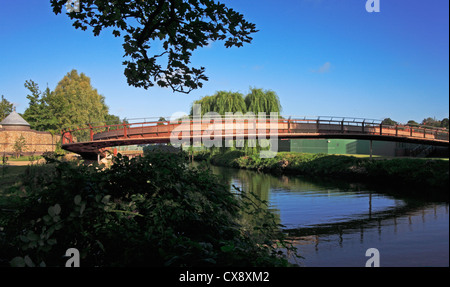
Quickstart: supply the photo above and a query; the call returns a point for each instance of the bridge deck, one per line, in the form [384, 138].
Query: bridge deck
[91, 139]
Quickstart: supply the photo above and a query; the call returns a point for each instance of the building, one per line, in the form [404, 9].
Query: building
[13, 127]
[359, 147]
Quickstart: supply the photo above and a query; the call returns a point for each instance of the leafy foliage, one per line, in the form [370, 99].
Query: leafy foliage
[38, 114]
[5, 108]
[256, 101]
[149, 211]
[20, 145]
[389, 122]
[262, 101]
[178, 26]
[74, 102]
[406, 172]
[432, 122]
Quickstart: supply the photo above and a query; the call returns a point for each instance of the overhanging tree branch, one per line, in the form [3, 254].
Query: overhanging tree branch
[182, 26]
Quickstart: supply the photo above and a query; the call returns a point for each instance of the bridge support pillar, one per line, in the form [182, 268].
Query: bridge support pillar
[371, 150]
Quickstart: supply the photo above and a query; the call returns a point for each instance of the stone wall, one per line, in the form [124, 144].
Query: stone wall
[36, 142]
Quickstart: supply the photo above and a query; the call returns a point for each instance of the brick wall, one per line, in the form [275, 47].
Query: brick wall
[36, 142]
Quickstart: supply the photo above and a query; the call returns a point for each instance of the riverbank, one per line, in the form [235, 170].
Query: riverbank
[429, 175]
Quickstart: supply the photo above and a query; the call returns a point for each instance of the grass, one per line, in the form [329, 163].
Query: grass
[10, 180]
[9, 175]
[25, 158]
[10, 197]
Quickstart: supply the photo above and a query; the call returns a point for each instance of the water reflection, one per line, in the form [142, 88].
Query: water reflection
[333, 224]
[418, 238]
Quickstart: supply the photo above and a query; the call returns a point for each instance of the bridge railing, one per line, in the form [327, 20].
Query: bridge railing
[285, 126]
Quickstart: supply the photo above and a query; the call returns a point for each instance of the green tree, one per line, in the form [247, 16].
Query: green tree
[444, 123]
[38, 114]
[76, 103]
[258, 100]
[389, 122]
[266, 101]
[222, 102]
[19, 146]
[73, 103]
[112, 119]
[178, 26]
[161, 119]
[412, 123]
[431, 122]
[5, 108]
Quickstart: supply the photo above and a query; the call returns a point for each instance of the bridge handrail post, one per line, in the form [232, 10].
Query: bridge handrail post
[289, 125]
[381, 129]
[63, 133]
[91, 132]
[124, 129]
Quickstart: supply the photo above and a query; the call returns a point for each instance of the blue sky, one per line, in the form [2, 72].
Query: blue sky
[322, 57]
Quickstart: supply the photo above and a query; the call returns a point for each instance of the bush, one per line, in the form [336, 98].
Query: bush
[227, 158]
[419, 173]
[149, 211]
[410, 173]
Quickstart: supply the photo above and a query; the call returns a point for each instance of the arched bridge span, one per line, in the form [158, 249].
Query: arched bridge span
[88, 141]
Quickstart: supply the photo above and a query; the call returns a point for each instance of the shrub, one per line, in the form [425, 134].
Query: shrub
[399, 172]
[149, 211]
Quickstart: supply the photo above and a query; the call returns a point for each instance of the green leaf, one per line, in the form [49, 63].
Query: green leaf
[17, 262]
[32, 236]
[77, 199]
[58, 226]
[28, 261]
[57, 209]
[106, 198]
[54, 210]
[47, 218]
[24, 238]
[51, 211]
[227, 248]
[83, 207]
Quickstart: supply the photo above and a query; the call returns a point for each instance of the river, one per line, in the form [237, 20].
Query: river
[335, 223]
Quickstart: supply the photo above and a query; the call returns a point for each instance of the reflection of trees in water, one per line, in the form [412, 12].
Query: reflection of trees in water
[408, 215]
[261, 184]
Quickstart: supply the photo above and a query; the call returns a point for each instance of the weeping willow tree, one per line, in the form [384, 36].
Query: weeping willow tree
[257, 101]
[260, 101]
[222, 102]
[265, 101]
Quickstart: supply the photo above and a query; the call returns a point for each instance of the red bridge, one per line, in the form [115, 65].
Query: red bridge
[91, 140]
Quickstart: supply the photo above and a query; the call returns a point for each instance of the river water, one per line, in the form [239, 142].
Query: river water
[334, 223]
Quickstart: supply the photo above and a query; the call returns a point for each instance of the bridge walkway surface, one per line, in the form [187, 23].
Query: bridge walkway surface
[91, 140]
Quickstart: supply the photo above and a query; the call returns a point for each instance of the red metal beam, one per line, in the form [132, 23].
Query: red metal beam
[162, 131]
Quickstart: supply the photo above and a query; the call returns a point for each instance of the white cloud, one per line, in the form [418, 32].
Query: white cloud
[325, 68]
[210, 43]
